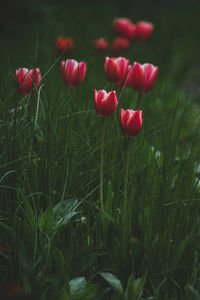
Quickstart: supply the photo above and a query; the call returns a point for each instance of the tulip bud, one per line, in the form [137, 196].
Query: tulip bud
[143, 77]
[116, 69]
[64, 44]
[144, 30]
[28, 79]
[119, 45]
[105, 103]
[73, 72]
[101, 45]
[131, 121]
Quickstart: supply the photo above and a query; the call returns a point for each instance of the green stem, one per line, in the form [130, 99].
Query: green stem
[138, 104]
[126, 177]
[101, 166]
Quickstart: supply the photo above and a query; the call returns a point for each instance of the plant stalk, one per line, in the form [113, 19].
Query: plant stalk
[126, 177]
[138, 104]
[101, 166]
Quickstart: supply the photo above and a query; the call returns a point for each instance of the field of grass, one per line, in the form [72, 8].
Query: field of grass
[59, 243]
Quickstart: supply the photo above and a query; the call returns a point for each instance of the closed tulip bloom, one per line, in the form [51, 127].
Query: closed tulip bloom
[73, 72]
[101, 45]
[143, 77]
[28, 80]
[64, 44]
[144, 30]
[124, 27]
[116, 69]
[105, 103]
[131, 121]
[119, 45]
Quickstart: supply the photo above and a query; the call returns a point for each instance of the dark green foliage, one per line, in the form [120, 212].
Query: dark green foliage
[57, 238]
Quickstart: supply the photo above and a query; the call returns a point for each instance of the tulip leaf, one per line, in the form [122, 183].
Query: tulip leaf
[135, 287]
[64, 211]
[77, 286]
[114, 282]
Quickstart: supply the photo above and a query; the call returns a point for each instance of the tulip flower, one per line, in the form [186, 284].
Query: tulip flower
[105, 103]
[131, 121]
[128, 80]
[119, 45]
[101, 45]
[124, 27]
[143, 77]
[116, 69]
[64, 44]
[144, 30]
[73, 72]
[27, 80]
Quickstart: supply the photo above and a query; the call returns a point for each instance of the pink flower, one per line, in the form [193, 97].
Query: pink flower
[105, 103]
[124, 27]
[119, 45]
[64, 44]
[116, 69]
[101, 45]
[143, 77]
[28, 79]
[128, 80]
[73, 72]
[131, 121]
[144, 30]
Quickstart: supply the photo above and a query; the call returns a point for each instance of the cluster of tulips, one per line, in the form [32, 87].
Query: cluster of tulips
[125, 30]
[118, 71]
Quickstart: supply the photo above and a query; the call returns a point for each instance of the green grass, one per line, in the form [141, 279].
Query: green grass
[50, 212]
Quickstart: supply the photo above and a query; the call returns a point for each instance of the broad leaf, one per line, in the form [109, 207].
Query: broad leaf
[114, 282]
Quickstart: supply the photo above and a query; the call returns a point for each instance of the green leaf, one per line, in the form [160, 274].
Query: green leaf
[135, 288]
[28, 209]
[114, 282]
[76, 286]
[45, 220]
[64, 211]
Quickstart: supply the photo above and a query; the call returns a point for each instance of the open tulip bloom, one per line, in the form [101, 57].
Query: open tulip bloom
[28, 80]
[73, 72]
[116, 69]
[105, 103]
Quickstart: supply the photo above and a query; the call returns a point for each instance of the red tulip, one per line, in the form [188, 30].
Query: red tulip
[128, 80]
[131, 121]
[101, 45]
[27, 79]
[116, 69]
[73, 72]
[143, 77]
[105, 103]
[64, 44]
[144, 30]
[124, 27]
[119, 45]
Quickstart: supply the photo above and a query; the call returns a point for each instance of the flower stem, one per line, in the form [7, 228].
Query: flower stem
[101, 166]
[126, 177]
[138, 104]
